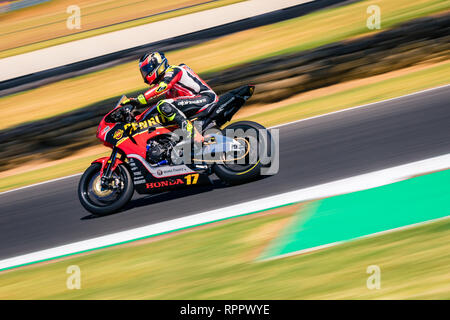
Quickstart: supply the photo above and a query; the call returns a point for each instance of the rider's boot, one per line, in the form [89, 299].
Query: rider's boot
[192, 132]
[191, 143]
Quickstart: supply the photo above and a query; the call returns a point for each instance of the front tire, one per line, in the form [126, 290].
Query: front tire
[236, 174]
[100, 201]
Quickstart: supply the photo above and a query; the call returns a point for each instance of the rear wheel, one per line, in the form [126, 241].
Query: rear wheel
[100, 200]
[248, 166]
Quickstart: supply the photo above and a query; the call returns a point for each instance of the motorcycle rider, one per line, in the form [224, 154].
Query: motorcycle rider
[181, 88]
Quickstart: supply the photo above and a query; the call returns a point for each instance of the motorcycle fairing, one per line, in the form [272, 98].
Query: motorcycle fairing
[132, 138]
[150, 179]
[104, 162]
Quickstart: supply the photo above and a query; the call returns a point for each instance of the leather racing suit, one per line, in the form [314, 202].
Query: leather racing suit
[182, 88]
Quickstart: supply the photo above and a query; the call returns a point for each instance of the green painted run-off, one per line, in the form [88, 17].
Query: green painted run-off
[363, 213]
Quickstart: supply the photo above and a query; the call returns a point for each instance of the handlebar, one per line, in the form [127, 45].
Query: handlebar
[123, 114]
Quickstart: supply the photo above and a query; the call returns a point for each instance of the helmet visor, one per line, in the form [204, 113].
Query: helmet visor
[147, 68]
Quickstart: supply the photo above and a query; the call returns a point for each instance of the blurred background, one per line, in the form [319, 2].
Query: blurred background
[295, 56]
[65, 63]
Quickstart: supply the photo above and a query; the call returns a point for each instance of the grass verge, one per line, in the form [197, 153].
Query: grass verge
[313, 30]
[408, 83]
[45, 25]
[218, 262]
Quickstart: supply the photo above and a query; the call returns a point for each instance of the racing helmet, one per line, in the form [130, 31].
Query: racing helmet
[152, 65]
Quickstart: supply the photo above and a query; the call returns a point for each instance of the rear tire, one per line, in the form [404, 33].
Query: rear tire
[91, 197]
[236, 174]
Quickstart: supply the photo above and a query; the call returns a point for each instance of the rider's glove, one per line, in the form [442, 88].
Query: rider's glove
[128, 110]
[135, 102]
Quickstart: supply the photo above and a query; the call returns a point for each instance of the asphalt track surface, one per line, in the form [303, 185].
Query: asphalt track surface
[314, 151]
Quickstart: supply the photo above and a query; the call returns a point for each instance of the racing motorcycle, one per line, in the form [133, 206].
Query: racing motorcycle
[146, 155]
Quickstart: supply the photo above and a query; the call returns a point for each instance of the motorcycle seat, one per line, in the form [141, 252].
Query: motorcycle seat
[191, 112]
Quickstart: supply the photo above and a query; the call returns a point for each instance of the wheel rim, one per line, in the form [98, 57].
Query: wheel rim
[98, 190]
[96, 195]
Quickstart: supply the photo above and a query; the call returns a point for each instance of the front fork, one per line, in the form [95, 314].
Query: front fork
[108, 171]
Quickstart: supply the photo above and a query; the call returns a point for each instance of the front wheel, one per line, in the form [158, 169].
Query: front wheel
[100, 200]
[256, 140]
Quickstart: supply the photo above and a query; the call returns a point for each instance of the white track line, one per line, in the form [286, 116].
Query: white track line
[88, 48]
[41, 183]
[360, 182]
[277, 126]
[362, 106]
